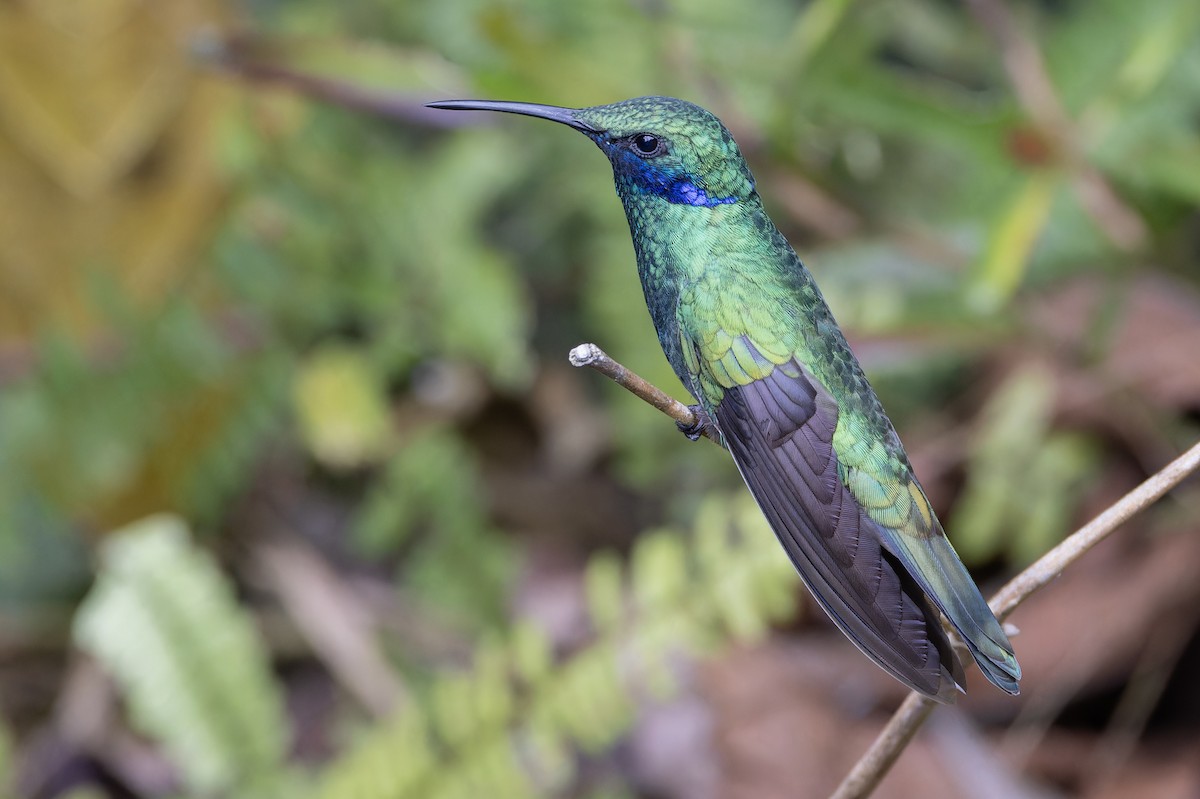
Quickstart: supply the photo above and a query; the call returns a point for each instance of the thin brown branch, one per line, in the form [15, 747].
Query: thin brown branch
[1052, 564]
[874, 764]
[878, 760]
[900, 729]
[265, 61]
[598, 359]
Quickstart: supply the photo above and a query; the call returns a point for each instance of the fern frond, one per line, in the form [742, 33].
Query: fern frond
[163, 620]
[510, 726]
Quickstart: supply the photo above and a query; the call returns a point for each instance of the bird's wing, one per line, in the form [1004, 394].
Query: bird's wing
[779, 428]
[935, 565]
[888, 493]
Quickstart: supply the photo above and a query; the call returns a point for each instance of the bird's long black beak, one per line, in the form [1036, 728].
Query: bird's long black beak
[567, 116]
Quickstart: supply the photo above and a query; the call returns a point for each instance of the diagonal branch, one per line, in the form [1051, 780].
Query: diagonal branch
[1052, 564]
[874, 764]
[877, 760]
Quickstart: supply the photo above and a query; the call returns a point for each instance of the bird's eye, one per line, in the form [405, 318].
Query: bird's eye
[647, 145]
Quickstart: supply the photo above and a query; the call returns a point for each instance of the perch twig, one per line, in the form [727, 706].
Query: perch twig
[899, 731]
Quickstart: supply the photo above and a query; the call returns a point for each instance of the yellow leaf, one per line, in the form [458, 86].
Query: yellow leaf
[342, 409]
[1006, 258]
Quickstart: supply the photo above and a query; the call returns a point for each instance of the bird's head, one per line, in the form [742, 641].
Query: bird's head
[658, 146]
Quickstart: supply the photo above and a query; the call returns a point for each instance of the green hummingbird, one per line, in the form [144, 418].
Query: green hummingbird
[747, 331]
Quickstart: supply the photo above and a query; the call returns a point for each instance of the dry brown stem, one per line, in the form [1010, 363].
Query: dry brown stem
[899, 731]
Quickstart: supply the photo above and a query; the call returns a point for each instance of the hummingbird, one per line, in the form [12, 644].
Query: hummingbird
[747, 331]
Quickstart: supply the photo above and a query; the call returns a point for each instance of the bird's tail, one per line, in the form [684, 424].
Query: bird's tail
[937, 568]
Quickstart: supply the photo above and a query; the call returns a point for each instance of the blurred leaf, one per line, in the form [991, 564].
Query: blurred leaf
[531, 652]
[1164, 31]
[105, 167]
[343, 412]
[7, 769]
[1006, 259]
[812, 30]
[1061, 470]
[602, 586]
[1012, 430]
[431, 490]
[659, 572]
[1174, 168]
[1023, 481]
[163, 620]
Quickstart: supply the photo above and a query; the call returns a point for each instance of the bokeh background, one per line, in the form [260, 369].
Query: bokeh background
[300, 497]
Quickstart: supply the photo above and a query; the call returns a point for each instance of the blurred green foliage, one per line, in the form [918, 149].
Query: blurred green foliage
[508, 726]
[431, 483]
[1024, 478]
[354, 257]
[6, 761]
[163, 620]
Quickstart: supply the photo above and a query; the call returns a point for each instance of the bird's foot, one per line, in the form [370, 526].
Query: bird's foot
[703, 426]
